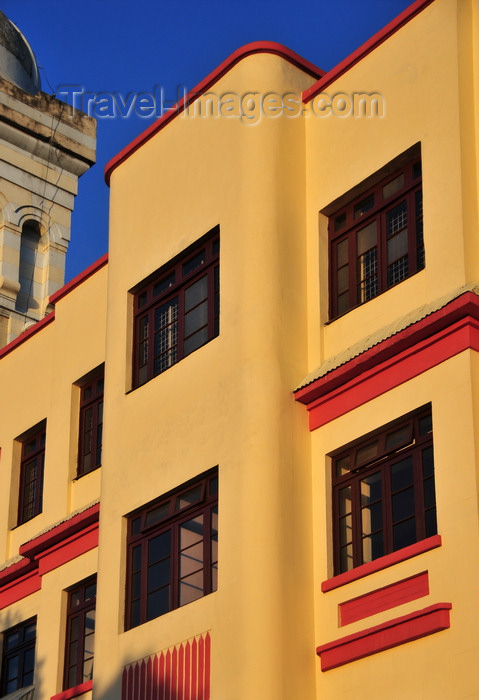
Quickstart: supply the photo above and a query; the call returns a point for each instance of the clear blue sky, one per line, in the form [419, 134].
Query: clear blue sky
[134, 45]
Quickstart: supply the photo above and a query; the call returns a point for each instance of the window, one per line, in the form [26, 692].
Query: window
[91, 423]
[173, 550]
[177, 309]
[31, 474]
[376, 239]
[80, 634]
[383, 491]
[18, 658]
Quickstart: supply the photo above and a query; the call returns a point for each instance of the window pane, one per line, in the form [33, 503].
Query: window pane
[196, 319]
[195, 341]
[373, 547]
[404, 534]
[367, 453]
[367, 237]
[343, 279]
[363, 206]
[346, 530]
[367, 275]
[194, 262]
[191, 588]
[158, 603]
[157, 514]
[428, 462]
[159, 547]
[372, 518]
[343, 465]
[189, 497]
[345, 501]
[371, 489]
[397, 247]
[399, 438]
[403, 505]
[393, 186]
[402, 474]
[159, 574]
[346, 558]
[339, 221]
[164, 284]
[196, 293]
[342, 253]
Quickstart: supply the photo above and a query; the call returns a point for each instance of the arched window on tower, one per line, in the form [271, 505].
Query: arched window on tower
[27, 299]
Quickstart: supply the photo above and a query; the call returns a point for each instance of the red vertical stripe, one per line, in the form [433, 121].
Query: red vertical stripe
[142, 689]
[136, 681]
[149, 678]
[124, 686]
[201, 668]
[174, 673]
[187, 671]
[161, 696]
[155, 686]
[181, 671]
[194, 670]
[168, 675]
[207, 665]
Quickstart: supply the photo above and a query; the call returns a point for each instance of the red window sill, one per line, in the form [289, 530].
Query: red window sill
[381, 563]
[73, 692]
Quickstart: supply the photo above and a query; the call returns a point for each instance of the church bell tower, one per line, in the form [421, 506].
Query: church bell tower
[44, 148]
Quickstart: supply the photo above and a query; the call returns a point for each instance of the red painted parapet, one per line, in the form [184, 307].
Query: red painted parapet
[179, 673]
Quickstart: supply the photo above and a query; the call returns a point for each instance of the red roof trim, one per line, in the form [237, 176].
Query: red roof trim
[466, 305]
[270, 47]
[60, 532]
[366, 48]
[38, 326]
[79, 279]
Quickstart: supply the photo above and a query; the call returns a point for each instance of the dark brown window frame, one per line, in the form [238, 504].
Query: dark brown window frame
[26, 673]
[161, 337]
[91, 421]
[164, 521]
[78, 607]
[349, 287]
[365, 521]
[32, 464]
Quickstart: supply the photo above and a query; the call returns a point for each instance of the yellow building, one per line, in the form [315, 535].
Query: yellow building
[281, 340]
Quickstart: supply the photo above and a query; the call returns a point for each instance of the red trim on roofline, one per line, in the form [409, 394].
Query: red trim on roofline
[270, 47]
[365, 48]
[38, 326]
[79, 279]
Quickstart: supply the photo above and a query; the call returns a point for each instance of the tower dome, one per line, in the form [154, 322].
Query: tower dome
[17, 60]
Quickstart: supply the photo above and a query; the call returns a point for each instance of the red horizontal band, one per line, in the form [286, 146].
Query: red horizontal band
[73, 692]
[416, 349]
[385, 598]
[385, 636]
[382, 563]
[19, 588]
[60, 532]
